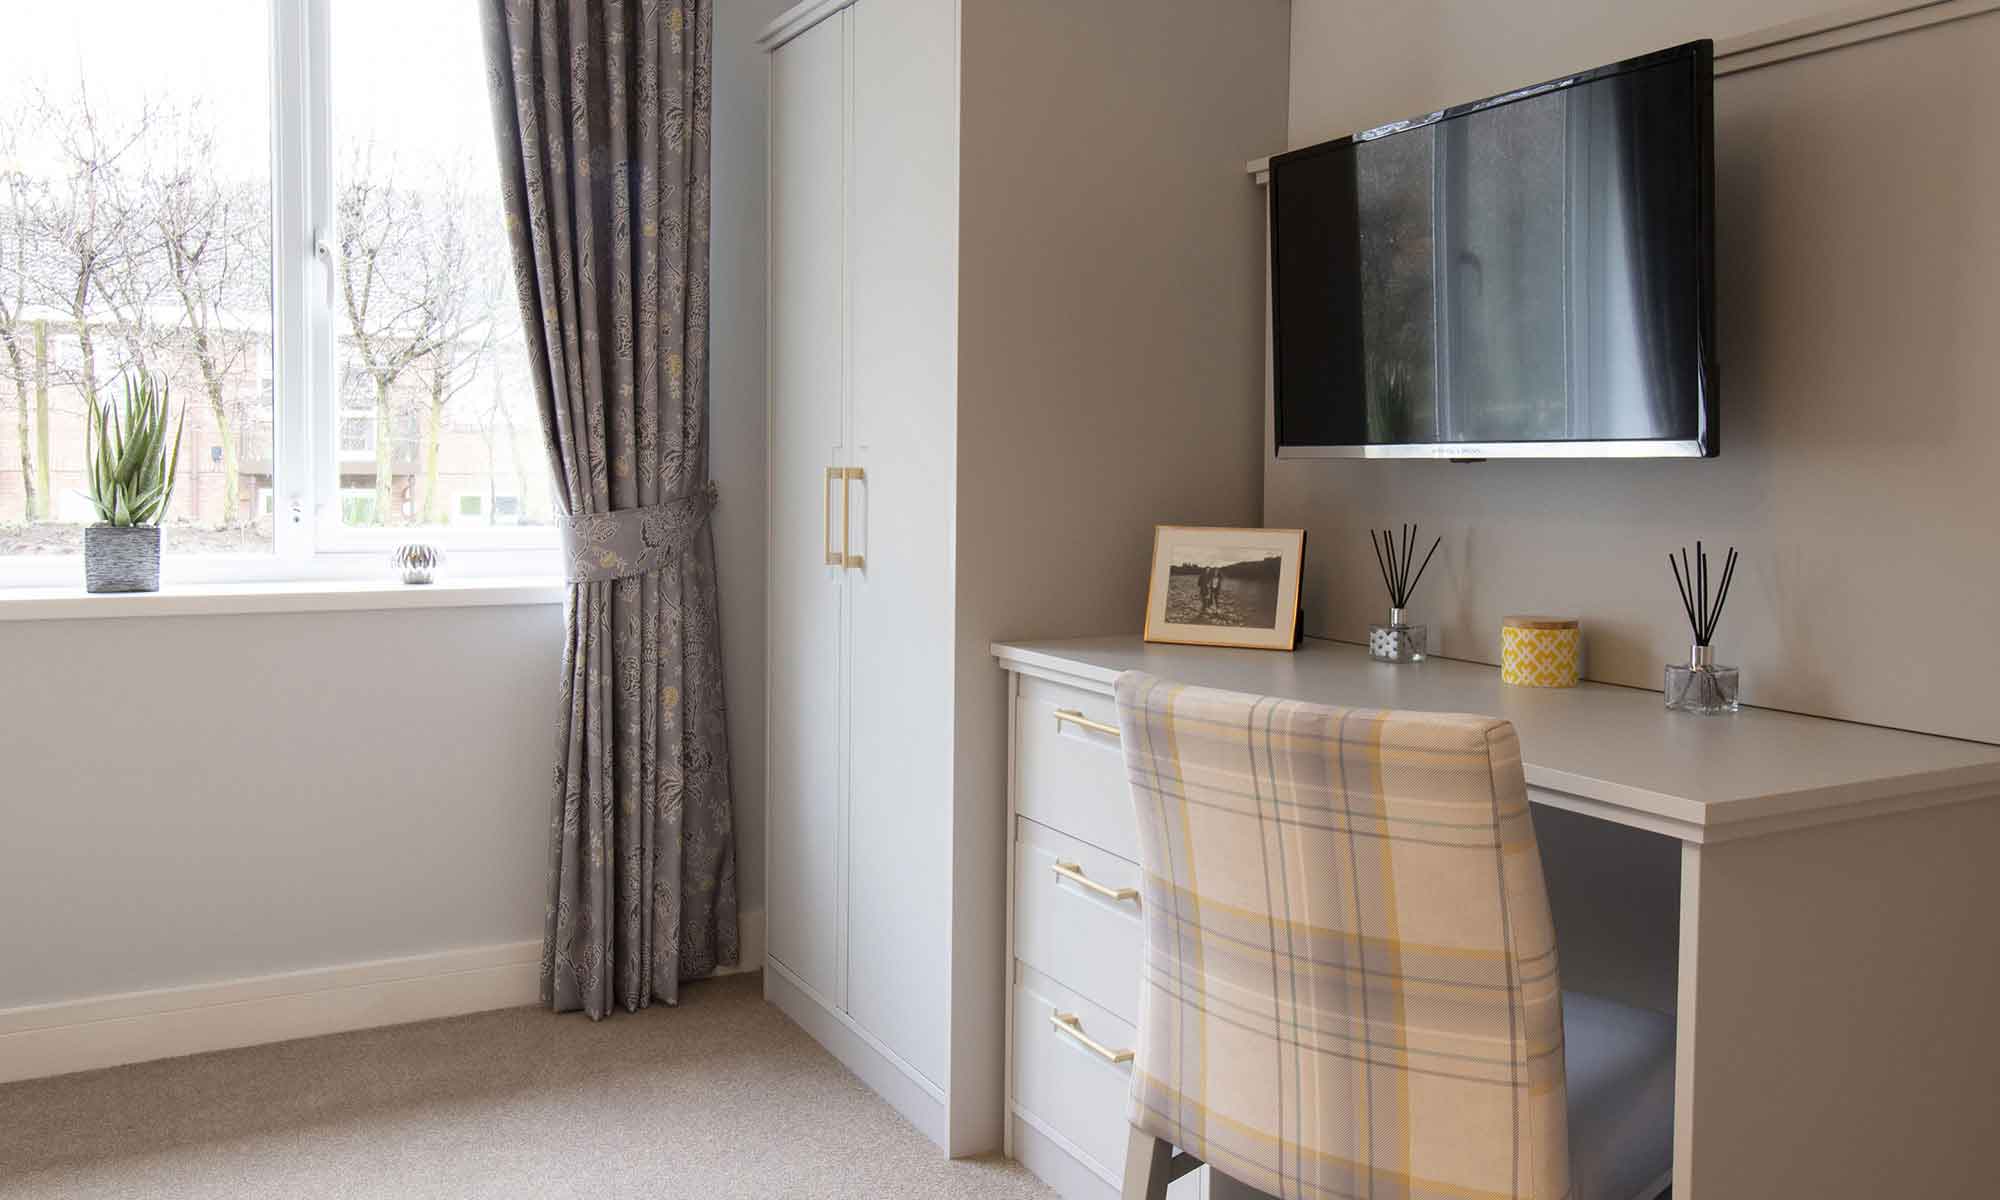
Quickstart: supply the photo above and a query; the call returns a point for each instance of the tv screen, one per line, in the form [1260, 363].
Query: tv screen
[1525, 276]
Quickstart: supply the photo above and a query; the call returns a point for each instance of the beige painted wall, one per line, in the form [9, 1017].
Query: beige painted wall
[736, 346]
[1858, 252]
[1111, 296]
[1357, 65]
[1110, 348]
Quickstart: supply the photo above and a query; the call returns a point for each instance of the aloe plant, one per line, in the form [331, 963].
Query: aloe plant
[132, 468]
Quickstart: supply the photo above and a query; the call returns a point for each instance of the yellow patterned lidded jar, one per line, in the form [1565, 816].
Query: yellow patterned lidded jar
[1540, 651]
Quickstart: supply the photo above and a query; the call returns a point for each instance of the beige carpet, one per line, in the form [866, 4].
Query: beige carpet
[719, 1097]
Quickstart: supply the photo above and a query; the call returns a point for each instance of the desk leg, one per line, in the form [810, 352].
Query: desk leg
[1839, 1021]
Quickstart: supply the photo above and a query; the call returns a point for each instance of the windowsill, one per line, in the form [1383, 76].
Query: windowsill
[317, 595]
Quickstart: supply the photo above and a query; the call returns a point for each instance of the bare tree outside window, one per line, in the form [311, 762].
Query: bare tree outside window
[465, 267]
[85, 229]
[387, 303]
[23, 340]
[213, 236]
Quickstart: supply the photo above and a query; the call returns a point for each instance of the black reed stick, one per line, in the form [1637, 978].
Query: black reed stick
[1722, 593]
[1403, 576]
[1704, 612]
[1687, 597]
[1403, 568]
[1411, 590]
[1395, 559]
[1701, 562]
[1394, 556]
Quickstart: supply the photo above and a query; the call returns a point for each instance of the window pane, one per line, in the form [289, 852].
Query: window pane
[436, 405]
[135, 230]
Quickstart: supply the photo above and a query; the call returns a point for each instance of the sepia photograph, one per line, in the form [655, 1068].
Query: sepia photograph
[1225, 587]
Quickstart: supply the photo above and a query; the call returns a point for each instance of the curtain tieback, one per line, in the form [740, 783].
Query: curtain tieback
[632, 541]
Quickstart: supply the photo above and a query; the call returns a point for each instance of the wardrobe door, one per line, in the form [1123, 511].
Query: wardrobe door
[806, 443]
[903, 313]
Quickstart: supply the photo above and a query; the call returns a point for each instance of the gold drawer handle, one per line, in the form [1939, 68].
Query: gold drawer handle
[1074, 873]
[1076, 718]
[1072, 1025]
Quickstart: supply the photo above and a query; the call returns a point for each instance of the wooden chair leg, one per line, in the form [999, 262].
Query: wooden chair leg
[1146, 1166]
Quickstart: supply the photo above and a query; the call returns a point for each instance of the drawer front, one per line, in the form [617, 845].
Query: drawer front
[1065, 1084]
[1065, 928]
[1069, 777]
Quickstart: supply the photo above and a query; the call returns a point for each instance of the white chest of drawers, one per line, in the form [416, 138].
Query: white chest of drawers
[1073, 941]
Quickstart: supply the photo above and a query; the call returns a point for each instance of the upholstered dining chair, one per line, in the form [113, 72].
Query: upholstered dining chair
[1350, 984]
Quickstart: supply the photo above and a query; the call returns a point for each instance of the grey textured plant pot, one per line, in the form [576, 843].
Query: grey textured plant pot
[121, 558]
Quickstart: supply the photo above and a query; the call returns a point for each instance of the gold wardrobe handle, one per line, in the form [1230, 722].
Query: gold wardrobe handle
[1076, 718]
[833, 557]
[1072, 1025]
[847, 476]
[1074, 873]
[840, 557]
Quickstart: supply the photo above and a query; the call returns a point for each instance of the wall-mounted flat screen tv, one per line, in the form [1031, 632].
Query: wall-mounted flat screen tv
[1529, 276]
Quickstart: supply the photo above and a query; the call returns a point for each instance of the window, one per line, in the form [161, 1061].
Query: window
[135, 217]
[319, 270]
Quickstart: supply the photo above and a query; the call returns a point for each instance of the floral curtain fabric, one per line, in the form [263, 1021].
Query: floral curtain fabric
[601, 110]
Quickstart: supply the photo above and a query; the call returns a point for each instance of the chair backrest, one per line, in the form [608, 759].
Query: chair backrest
[1350, 979]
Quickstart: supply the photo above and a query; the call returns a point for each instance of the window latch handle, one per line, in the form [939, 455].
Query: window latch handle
[329, 257]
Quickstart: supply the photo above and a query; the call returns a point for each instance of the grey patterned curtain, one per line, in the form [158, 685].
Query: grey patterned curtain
[601, 109]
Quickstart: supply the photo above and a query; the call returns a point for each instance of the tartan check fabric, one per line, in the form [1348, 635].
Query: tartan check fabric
[1350, 983]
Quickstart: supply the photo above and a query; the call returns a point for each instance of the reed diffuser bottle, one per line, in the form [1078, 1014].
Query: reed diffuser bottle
[1399, 641]
[1701, 686]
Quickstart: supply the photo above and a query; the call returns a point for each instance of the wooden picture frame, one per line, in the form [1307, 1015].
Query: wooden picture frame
[1219, 586]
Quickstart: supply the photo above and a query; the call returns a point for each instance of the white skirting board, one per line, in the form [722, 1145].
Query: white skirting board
[1056, 1163]
[920, 1101]
[1059, 1164]
[109, 1031]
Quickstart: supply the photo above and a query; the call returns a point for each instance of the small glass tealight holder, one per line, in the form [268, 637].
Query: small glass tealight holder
[1398, 641]
[1701, 686]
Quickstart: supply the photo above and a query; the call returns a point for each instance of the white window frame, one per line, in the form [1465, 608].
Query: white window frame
[310, 541]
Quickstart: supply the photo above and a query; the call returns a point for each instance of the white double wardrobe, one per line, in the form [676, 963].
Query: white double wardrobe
[1012, 325]
[862, 212]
